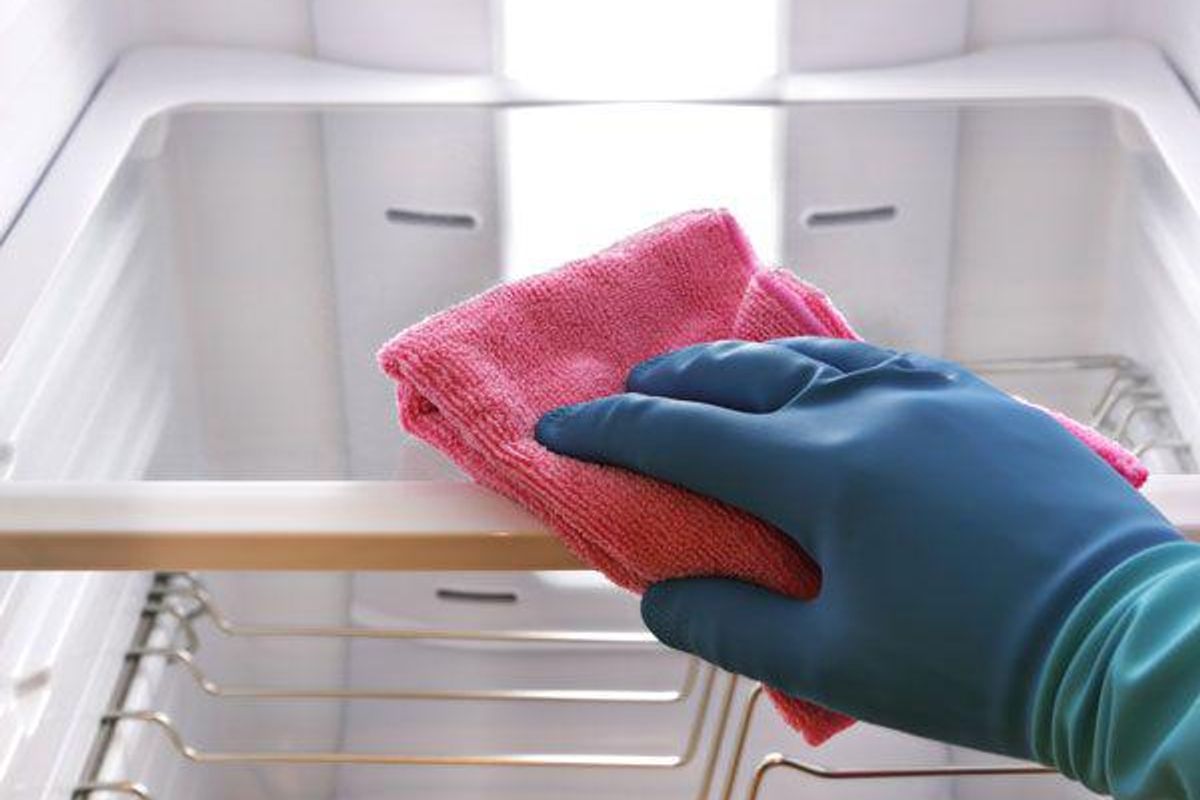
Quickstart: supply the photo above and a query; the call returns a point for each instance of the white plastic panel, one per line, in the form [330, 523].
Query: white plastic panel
[1032, 244]
[870, 215]
[387, 181]
[844, 34]
[450, 36]
[248, 212]
[1174, 25]
[65, 639]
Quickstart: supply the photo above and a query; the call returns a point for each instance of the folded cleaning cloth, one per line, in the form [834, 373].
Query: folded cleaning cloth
[473, 381]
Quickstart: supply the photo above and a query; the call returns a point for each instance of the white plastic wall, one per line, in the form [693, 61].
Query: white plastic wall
[54, 52]
[1173, 24]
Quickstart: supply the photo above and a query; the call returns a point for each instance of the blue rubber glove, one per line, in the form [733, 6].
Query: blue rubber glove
[955, 527]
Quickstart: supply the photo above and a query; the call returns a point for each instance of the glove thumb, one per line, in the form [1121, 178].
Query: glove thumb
[738, 626]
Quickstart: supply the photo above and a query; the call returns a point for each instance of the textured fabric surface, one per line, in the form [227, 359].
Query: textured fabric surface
[473, 381]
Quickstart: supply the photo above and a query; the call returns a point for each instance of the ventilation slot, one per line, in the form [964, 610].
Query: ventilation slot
[431, 219]
[834, 218]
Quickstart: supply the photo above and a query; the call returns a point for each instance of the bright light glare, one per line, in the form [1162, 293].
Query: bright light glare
[576, 579]
[639, 45]
[580, 178]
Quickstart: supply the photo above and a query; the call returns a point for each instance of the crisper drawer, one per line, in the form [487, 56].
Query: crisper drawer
[190, 306]
[208, 271]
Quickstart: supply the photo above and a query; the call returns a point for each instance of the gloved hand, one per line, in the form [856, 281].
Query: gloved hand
[956, 528]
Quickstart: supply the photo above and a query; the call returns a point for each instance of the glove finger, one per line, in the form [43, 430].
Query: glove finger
[708, 449]
[738, 626]
[847, 355]
[851, 356]
[745, 376]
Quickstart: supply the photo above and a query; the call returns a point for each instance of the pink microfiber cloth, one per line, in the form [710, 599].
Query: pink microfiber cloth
[473, 381]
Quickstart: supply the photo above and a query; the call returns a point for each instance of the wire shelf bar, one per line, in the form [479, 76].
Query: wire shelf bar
[1130, 395]
[206, 606]
[187, 659]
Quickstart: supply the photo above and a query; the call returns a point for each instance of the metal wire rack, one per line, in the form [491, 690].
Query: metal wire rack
[1128, 407]
[699, 679]
[774, 761]
[181, 600]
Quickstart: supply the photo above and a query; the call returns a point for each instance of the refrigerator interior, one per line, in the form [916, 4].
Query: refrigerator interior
[218, 317]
